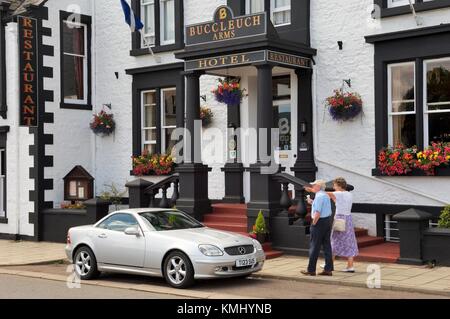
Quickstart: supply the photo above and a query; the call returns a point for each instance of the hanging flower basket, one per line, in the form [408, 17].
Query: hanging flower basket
[229, 92]
[103, 124]
[344, 106]
[206, 115]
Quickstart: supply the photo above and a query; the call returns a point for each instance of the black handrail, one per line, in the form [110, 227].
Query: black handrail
[285, 202]
[164, 184]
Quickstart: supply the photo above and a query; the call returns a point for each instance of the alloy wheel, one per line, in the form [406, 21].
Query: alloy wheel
[83, 263]
[176, 270]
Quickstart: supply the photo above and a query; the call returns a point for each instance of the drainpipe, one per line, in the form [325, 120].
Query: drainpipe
[4, 8]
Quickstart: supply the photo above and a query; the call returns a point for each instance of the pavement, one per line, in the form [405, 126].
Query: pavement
[16, 253]
[395, 277]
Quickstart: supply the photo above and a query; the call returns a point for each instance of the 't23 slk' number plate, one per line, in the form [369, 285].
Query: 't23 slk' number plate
[245, 262]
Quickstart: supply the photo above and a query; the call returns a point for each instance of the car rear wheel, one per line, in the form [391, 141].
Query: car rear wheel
[178, 270]
[85, 264]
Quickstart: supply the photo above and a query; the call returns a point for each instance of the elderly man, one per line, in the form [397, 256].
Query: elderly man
[321, 227]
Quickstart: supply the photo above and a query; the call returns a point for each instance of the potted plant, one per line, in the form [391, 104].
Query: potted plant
[229, 91]
[259, 229]
[436, 155]
[437, 240]
[153, 164]
[103, 123]
[397, 160]
[444, 219]
[206, 115]
[344, 106]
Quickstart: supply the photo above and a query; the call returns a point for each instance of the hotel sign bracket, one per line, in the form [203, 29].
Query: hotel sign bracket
[248, 58]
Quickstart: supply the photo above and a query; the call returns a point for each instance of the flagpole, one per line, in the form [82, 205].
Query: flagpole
[148, 45]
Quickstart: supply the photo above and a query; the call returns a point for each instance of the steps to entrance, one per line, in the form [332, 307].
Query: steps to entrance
[375, 249]
[233, 217]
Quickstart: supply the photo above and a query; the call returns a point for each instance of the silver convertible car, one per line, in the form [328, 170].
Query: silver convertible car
[161, 242]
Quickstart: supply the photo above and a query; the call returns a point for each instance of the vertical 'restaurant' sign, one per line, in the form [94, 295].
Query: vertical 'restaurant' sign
[28, 64]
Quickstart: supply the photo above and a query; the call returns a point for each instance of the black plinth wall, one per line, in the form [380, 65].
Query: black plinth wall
[234, 169]
[193, 174]
[305, 167]
[265, 193]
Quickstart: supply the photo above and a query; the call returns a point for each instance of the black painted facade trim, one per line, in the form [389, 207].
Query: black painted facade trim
[137, 50]
[3, 143]
[87, 20]
[155, 78]
[420, 6]
[4, 7]
[406, 46]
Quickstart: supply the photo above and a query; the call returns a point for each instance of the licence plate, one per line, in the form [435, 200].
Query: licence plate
[246, 262]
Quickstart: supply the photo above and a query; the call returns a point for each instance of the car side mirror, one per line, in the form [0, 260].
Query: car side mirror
[133, 231]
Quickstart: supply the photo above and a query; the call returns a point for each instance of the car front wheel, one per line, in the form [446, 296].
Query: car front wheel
[178, 270]
[85, 264]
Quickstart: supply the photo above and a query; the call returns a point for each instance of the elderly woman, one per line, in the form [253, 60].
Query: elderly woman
[344, 242]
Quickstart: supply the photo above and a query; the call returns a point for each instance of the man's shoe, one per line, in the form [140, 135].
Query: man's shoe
[307, 273]
[326, 273]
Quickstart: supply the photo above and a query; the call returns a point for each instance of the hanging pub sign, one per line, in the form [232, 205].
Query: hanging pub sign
[28, 64]
[226, 27]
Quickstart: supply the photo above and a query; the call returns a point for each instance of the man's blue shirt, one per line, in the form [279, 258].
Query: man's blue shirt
[322, 204]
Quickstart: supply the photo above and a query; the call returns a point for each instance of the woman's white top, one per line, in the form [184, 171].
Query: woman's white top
[344, 203]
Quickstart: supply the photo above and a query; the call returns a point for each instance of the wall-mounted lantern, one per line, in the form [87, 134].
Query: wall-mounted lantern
[78, 185]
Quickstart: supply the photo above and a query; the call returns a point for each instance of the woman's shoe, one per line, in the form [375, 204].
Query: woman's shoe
[349, 270]
[322, 266]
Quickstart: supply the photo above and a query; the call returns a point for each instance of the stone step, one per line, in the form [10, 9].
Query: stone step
[361, 232]
[229, 209]
[226, 218]
[367, 241]
[232, 227]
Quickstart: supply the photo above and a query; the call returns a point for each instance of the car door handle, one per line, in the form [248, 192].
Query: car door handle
[102, 236]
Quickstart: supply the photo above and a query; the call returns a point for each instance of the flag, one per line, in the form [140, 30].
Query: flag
[131, 19]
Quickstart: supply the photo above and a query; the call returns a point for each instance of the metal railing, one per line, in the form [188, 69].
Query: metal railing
[391, 231]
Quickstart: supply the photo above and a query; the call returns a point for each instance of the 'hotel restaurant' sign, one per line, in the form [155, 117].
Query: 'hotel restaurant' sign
[28, 64]
[248, 58]
[226, 27]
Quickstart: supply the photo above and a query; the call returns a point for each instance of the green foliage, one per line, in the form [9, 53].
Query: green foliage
[444, 220]
[260, 224]
[113, 194]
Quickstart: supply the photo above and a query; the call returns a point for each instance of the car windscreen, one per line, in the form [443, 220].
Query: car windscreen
[170, 220]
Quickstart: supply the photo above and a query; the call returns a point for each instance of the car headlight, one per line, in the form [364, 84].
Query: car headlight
[210, 250]
[257, 245]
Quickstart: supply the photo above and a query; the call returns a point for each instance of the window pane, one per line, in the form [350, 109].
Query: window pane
[73, 39]
[283, 17]
[402, 86]
[149, 98]
[119, 222]
[439, 127]
[150, 135]
[168, 139]
[150, 116]
[170, 110]
[148, 18]
[150, 148]
[438, 84]
[404, 130]
[73, 77]
[282, 3]
[403, 107]
[255, 6]
[168, 18]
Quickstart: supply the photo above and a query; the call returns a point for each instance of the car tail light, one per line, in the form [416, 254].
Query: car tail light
[68, 238]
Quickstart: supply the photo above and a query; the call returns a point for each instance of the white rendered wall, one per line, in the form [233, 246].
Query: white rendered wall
[18, 162]
[73, 138]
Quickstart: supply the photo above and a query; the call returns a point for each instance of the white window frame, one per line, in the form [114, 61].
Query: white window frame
[85, 63]
[391, 114]
[145, 3]
[401, 3]
[143, 127]
[163, 25]
[274, 10]
[164, 127]
[426, 112]
[2, 186]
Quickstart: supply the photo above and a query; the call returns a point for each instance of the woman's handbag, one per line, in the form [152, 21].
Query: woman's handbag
[339, 225]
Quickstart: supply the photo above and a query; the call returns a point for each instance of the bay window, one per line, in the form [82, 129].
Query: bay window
[75, 62]
[280, 10]
[158, 120]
